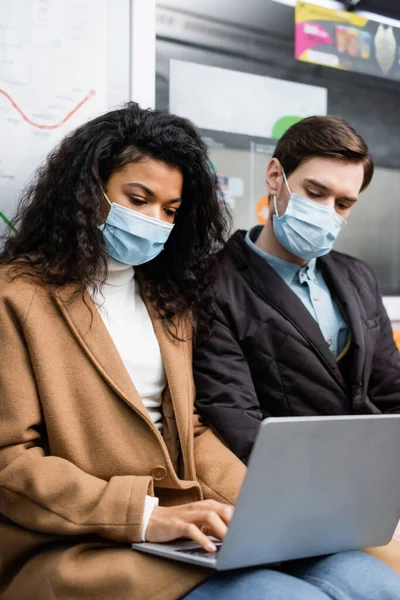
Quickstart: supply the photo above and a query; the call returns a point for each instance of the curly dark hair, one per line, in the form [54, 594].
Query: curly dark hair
[58, 240]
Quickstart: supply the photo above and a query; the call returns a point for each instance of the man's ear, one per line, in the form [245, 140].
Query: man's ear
[274, 177]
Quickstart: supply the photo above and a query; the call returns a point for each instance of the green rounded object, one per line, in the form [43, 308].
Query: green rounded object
[282, 125]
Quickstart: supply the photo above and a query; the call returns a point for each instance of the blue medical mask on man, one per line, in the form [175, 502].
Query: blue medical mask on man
[307, 229]
[132, 238]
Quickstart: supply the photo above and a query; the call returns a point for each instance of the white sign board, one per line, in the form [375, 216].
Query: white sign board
[235, 102]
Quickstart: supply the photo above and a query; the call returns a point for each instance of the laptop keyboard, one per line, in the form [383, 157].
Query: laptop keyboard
[200, 551]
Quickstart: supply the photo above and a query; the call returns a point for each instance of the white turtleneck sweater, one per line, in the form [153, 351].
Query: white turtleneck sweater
[128, 322]
[125, 315]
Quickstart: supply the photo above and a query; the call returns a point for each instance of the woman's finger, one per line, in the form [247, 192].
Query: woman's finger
[215, 525]
[223, 510]
[191, 531]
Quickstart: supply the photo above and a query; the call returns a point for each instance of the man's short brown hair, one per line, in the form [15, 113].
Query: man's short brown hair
[329, 137]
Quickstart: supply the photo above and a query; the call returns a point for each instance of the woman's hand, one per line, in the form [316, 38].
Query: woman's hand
[196, 521]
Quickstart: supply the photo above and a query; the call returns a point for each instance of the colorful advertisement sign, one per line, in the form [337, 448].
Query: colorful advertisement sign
[347, 41]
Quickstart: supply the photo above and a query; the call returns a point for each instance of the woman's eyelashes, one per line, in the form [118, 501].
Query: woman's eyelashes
[137, 201]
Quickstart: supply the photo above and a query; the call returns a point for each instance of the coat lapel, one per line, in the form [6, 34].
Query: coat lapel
[271, 287]
[91, 333]
[177, 361]
[345, 292]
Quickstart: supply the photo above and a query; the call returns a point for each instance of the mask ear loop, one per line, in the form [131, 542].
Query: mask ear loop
[276, 208]
[286, 181]
[106, 197]
[287, 185]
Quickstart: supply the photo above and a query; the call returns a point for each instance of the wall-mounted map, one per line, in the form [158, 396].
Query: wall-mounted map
[52, 78]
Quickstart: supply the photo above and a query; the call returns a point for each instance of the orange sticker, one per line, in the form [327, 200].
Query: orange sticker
[262, 210]
[396, 337]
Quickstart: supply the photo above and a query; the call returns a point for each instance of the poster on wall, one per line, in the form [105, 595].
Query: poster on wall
[247, 108]
[52, 79]
[347, 41]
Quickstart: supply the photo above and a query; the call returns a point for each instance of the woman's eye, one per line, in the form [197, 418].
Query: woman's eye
[137, 201]
[170, 213]
[312, 194]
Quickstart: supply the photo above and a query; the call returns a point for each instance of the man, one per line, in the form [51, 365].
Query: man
[299, 329]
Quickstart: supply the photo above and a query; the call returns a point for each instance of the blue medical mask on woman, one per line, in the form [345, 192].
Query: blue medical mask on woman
[132, 238]
[307, 229]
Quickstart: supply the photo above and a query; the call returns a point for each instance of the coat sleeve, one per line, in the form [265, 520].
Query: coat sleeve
[384, 383]
[225, 394]
[45, 493]
[219, 472]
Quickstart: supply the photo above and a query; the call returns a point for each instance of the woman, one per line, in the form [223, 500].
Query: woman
[97, 444]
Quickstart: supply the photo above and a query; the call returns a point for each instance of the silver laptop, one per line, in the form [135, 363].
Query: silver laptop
[314, 486]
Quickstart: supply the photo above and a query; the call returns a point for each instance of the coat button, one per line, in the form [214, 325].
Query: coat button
[159, 473]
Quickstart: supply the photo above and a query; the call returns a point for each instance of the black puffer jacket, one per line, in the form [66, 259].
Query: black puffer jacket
[267, 356]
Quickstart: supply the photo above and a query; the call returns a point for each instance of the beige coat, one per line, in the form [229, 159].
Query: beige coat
[79, 453]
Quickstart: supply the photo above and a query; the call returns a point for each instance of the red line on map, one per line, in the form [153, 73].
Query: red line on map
[47, 127]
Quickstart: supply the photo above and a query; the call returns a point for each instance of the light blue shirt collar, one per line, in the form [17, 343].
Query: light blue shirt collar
[286, 269]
